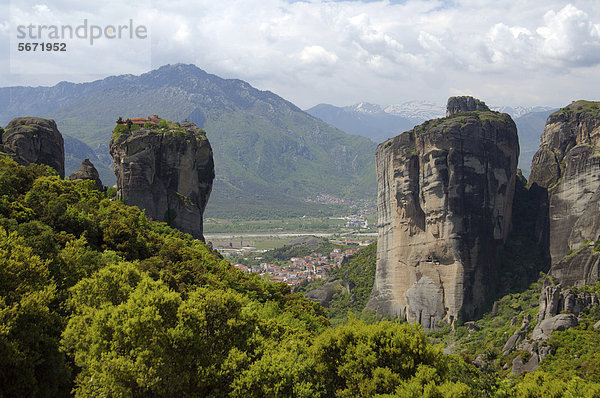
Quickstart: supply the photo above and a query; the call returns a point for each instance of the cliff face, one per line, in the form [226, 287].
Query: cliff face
[567, 165]
[168, 173]
[445, 191]
[35, 140]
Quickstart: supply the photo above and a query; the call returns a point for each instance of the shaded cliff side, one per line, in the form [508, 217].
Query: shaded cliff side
[34, 140]
[445, 191]
[567, 168]
[167, 172]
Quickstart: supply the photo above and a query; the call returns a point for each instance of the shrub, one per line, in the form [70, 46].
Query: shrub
[120, 129]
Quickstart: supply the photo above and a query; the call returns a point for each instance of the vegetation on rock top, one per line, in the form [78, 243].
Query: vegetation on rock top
[164, 127]
[461, 119]
[589, 108]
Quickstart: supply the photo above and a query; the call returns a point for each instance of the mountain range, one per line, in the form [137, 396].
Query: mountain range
[379, 123]
[271, 158]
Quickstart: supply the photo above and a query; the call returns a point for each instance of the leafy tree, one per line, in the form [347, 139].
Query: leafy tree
[31, 363]
[541, 384]
[132, 336]
[283, 370]
[364, 360]
[120, 129]
[163, 124]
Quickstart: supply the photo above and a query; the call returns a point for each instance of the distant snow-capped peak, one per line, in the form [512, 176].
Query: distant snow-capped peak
[517, 111]
[426, 110]
[366, 107]
[417, 110]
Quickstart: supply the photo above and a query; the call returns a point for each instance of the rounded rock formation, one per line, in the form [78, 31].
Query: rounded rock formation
[35, 140]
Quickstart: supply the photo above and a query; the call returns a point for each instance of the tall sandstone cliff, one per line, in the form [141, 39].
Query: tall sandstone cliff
[34, 140]
[445, 192]
[567, 168]
[167, 172]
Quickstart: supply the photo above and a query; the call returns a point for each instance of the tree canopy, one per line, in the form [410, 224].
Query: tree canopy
[96, 300]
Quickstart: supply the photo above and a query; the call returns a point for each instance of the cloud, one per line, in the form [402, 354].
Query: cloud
[511, 46]
[570, 37]
[351, 51]
[317, 55]
[567, 38]
[183, 33]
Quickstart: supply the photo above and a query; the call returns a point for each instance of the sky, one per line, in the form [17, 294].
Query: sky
[525, 52]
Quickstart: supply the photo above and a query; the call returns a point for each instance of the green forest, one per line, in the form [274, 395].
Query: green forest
[96, 300]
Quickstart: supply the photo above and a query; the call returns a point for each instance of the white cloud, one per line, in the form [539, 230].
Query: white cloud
[567, 38]
[41, 9]
[317, 55]
[183, 33]
[570, 37]
[510, 44]
[378, 51]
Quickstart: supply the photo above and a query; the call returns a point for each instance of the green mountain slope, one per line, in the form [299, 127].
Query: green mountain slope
[270, 156]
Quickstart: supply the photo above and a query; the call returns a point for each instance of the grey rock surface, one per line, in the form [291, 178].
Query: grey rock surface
[464, 104]
[577, 269]
[518, 366]
[517, 337]
[544, 329]
[325, 293]
[567, 166]
[168, 174]
[87, 171]
[555, 300]
[445, 192]
[35, 140]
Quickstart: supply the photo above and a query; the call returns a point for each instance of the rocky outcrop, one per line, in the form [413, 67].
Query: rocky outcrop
[518, 336]
[445, 191]
[34, 140]
[567, 166]
[554, 300]
[87, 171]
[559, 309]
[520, 366]
[545, 328]
[464, 104]
[167, 172]
[324, 294]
